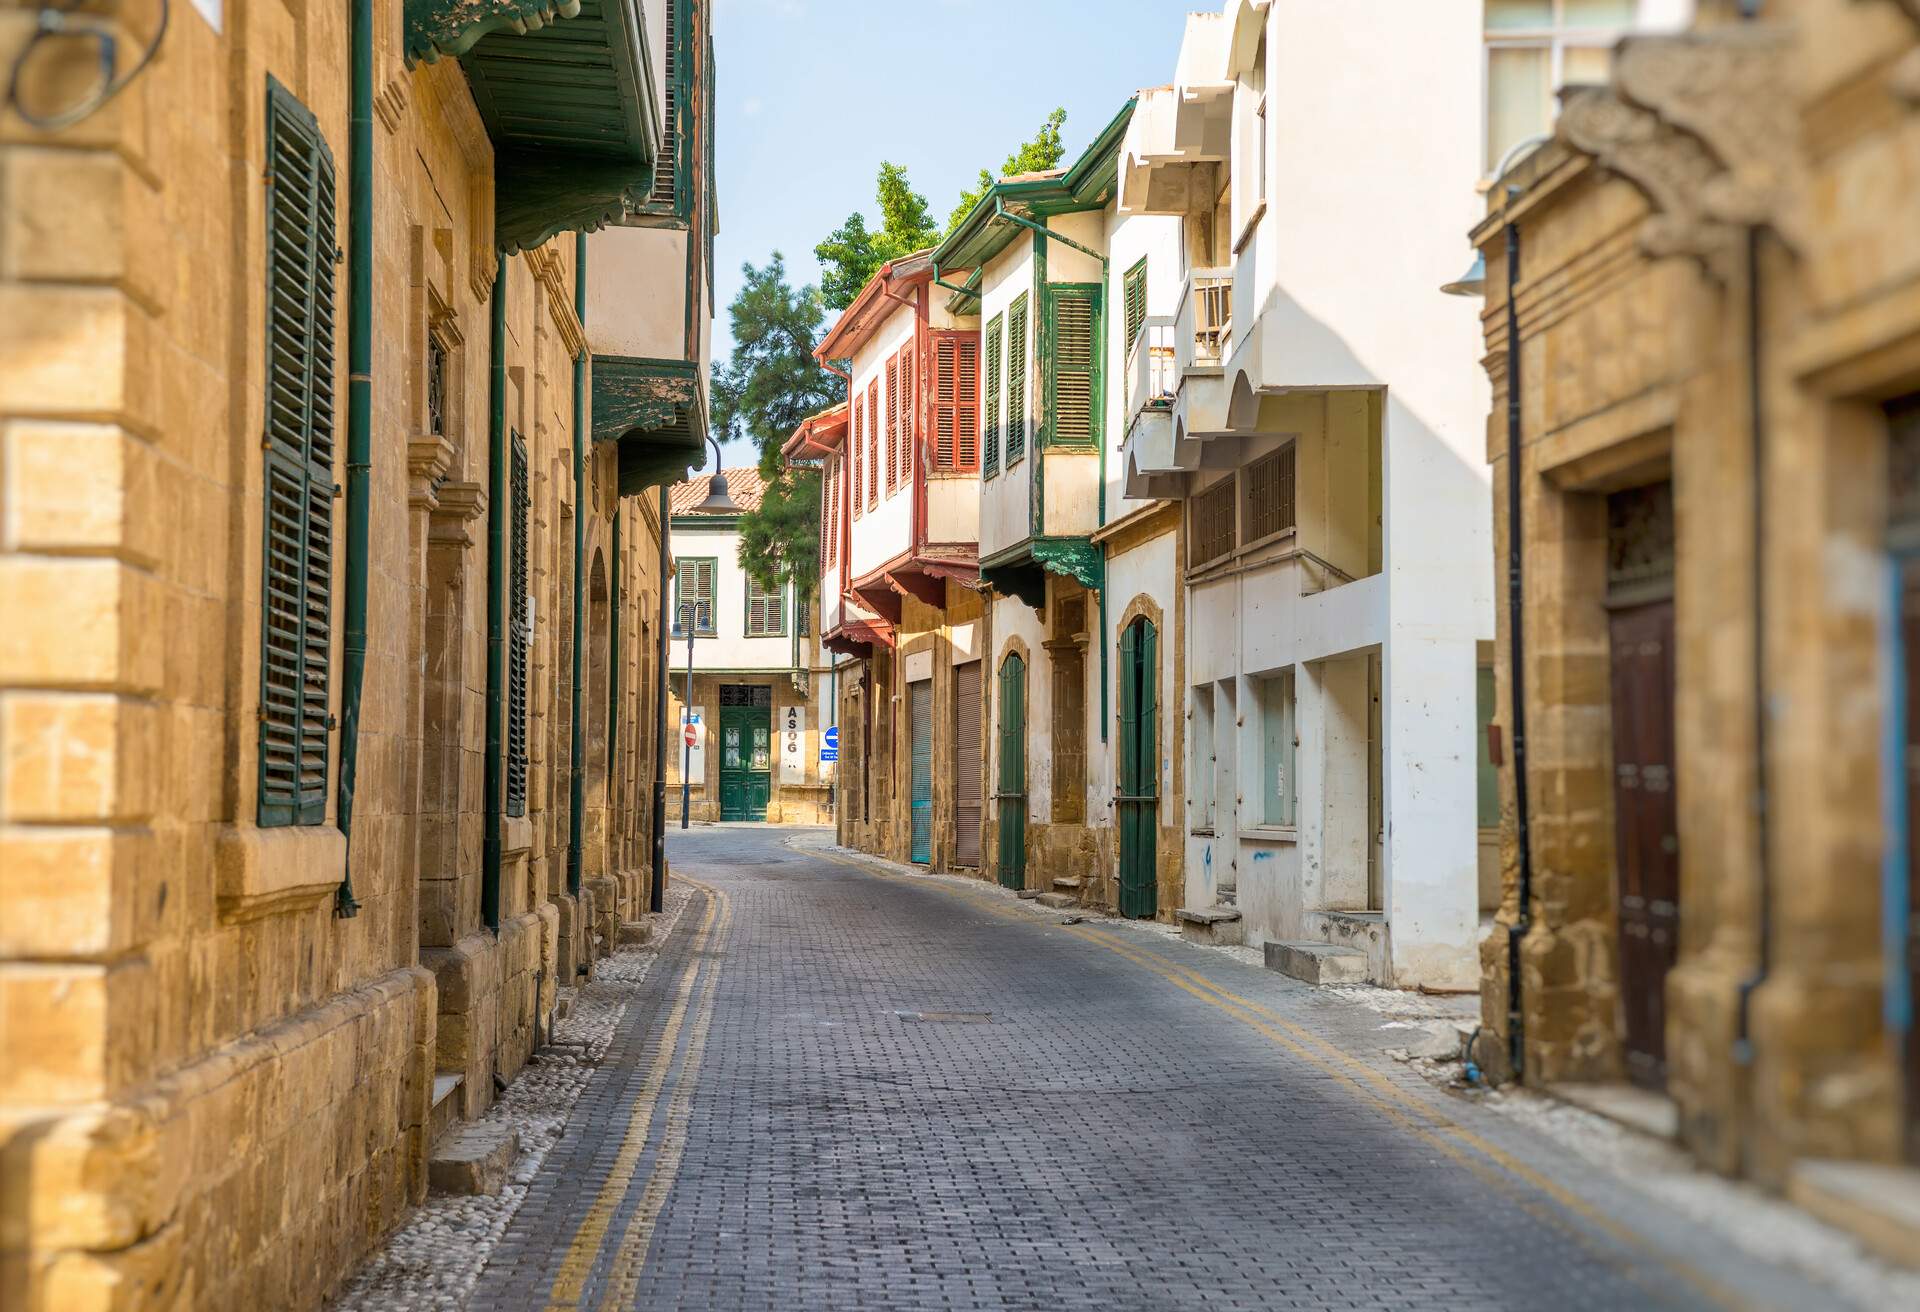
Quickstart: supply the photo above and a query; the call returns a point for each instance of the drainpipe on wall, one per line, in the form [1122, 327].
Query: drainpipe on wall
[577, 746]
[658, 893]
[613, 666]
[1756, 420]
[498, 495]
[1516, 661]
[359, 425]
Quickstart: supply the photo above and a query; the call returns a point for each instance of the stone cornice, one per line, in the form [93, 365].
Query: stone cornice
[549, 270]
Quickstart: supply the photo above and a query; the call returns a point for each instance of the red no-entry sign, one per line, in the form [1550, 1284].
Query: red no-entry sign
[689, 736]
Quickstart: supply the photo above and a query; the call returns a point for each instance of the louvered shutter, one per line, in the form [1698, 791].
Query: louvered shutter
[1016, 433]
[873, 444]
[666, 167]
[1136, 301]
[297, 557]
[519, 622]
[1129, 711]
[1074, 406]
[893, 425]
[956, 391]
[908, 402]
[967, 763]
[990, 422]
[859, 435]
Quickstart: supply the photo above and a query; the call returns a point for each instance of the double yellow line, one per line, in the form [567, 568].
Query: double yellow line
[630, 1256]
[1372, 1086]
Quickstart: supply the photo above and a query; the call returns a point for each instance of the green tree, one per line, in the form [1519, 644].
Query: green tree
[850, 254]
[1044, 151]
[766, 388]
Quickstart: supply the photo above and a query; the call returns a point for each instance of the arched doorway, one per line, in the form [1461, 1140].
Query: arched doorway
[1138, 797]
[1012, 792]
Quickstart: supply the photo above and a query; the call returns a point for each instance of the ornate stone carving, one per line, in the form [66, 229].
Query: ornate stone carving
[1699, 123]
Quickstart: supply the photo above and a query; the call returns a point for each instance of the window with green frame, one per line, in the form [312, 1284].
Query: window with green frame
[296, 610]
[1134, 298]
[766, 611]
[1278, 792]
[990, 453]
[1016, 426]
[693, 581]
[1073, 383]
[519, 634]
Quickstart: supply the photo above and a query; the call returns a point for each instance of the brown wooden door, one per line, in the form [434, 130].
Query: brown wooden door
[1646, 829]
[968, 766]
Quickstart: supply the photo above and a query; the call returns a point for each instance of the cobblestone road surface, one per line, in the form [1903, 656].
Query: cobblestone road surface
[855, 1089]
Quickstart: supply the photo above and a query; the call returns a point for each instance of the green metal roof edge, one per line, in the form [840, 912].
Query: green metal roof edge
[979, 236]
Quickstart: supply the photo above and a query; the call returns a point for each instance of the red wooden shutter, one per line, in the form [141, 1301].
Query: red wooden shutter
[858, 431]
[893, 424]
[907, 403]
[956, 402]
[873, 443]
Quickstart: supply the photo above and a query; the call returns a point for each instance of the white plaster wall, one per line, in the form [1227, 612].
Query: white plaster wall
[1015, 619]
[636, 298]
[730, 648]
[1129, 238]
[1004, 498]
[1064, 263]
[953, 509]
[1072, 499]
[883, 531]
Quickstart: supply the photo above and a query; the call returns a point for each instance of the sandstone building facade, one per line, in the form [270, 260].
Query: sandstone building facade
[1704, 348]
[329, 692]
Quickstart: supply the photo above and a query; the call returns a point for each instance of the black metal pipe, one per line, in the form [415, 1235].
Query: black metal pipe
[1756, 433]
[1516, 661]
[658, 897]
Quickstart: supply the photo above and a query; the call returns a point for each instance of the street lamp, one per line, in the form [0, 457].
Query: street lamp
[1471, 283]
[717, 502]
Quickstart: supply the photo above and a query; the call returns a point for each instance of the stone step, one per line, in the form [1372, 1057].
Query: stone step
[1058, 901]
[1878, 1205]
[1215, 924]
[473, 1159]
[634, 933]
[1318, 963]
[1066, 884]
[1027, 894]
[446, 1104]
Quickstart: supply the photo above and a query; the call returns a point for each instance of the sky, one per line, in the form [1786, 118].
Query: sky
[811, 95]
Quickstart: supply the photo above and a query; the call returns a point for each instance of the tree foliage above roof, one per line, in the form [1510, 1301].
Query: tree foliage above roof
[850, 254]
[1044, 151]
[770, 384]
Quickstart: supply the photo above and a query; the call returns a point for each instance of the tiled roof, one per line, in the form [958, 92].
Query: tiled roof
[744, 485]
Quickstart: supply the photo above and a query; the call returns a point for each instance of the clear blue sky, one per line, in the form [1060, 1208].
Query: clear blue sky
[813, 94]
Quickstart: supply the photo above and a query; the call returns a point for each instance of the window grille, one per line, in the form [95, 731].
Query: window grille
[1269, 483]
[436, 385]
[1210, 523]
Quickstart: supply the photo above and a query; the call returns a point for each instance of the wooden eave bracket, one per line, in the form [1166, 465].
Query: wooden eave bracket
[441, 28]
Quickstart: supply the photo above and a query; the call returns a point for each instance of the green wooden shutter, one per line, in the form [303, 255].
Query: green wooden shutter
[1147, 708]
[1016, 438]
[1129, 710]
[1136, 301]
[990, 457]
[297, 557]
[1073, 401]
[519, 626]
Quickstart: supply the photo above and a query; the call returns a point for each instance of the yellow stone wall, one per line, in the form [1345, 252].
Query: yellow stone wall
[1633, 307]
[214, 1092]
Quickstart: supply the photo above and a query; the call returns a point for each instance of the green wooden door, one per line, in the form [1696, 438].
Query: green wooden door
[1138, 799]
[746, 751]
[1012, 792]
[920, 725]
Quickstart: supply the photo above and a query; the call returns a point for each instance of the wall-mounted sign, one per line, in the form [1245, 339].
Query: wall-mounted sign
[830, 743]
[793, 733]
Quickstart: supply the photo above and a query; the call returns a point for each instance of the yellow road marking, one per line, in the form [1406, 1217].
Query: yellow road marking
[630, 1258]
[571, 1280]
[1428, 1123]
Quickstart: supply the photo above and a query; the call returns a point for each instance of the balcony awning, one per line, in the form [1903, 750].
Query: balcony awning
[818, 436]
[1021, 570]
[566, 91]
[656, 411]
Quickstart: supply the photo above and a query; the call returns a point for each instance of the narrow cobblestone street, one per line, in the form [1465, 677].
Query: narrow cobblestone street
[851, 1088]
